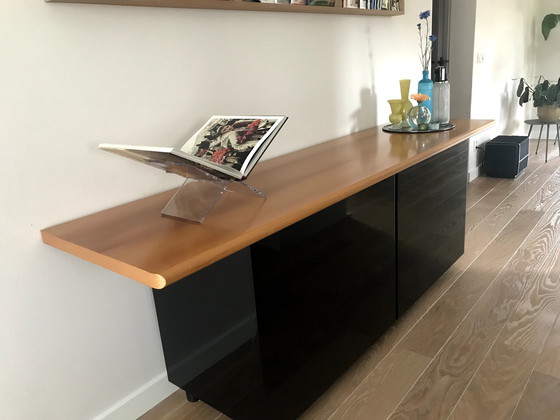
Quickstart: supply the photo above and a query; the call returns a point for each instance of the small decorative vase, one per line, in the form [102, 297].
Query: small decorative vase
[548, 113]
[396, 111]
[426, 86]
[419, 117]
[405, 89]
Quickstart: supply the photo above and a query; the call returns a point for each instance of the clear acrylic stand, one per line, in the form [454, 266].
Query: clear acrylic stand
[200, 192]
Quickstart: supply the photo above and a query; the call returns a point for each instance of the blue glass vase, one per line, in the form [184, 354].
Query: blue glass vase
[426, 86]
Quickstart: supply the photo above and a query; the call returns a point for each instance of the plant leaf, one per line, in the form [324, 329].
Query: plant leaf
[520, 87]
[548, 23]
[551, 94]
[524, 98]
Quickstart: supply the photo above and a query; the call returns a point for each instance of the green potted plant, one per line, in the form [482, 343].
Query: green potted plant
[545, 96]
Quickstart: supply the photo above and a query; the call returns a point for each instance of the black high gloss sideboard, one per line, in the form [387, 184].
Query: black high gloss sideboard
[261, 308]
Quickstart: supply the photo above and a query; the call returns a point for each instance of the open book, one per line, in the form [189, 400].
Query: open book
[226, 145]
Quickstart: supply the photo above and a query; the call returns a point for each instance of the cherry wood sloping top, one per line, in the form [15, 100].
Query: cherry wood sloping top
[135, 241]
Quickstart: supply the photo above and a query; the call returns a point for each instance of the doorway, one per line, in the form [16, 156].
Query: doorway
[440, 27]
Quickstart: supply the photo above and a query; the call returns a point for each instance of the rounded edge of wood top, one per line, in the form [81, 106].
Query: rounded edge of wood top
[153, 280]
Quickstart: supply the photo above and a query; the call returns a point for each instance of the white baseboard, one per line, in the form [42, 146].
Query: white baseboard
[474, 173]
[159, 388]
[141, 400]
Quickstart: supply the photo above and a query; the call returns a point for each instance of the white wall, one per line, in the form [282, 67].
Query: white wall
[494, 86]
[78, 339]
[486, 57]
[461, 52]
[548, 58]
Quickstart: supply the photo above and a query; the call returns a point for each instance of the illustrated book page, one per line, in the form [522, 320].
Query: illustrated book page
[231, 144]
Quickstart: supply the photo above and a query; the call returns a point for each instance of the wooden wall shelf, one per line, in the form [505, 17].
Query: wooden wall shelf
[243, 5]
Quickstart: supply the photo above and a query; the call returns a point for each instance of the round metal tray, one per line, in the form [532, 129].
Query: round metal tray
[442, 127]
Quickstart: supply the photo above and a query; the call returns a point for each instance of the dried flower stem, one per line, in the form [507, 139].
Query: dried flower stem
[425, 41]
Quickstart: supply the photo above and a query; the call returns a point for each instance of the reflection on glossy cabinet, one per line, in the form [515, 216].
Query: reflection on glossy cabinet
[431, 202]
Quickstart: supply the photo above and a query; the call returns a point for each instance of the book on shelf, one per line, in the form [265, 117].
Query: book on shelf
[226, 146]
[375, 4]
[328, 3]
[351, 4]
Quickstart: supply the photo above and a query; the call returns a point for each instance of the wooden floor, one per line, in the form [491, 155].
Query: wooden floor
[484, 341]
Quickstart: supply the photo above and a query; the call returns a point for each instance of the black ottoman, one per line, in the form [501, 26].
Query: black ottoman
[506, 156]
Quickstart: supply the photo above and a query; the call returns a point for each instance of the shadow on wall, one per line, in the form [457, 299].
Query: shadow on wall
[363, 117]
[510, 120]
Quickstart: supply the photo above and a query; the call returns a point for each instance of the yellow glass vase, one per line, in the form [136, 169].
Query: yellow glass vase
[396, 111]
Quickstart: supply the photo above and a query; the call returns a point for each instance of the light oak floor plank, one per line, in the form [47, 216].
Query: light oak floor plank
[501, 215]
[510, 362]
[540, 400]
[483, 257]
[479, 188]
[436, 326]
[377, 396]
[176, 407]
[167, 406]
[439, 388]
[481, 237]
[549, 361]
[496, 220]
[479, 211]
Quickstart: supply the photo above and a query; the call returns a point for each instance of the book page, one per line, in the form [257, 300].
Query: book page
[158, 157]
[229, 142]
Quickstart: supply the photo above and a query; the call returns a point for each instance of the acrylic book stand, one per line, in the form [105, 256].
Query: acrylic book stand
[200, 192]
[201, 189]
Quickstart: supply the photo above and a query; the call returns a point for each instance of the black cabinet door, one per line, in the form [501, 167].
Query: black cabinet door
[208, 328]
[431, 206]
[325, 292]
